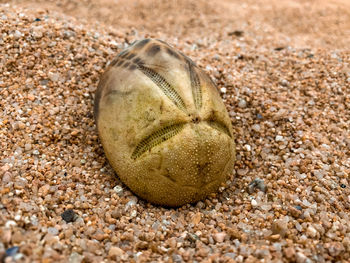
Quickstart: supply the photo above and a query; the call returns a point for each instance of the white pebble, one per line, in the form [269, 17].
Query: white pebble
[279, 138]
[242, 103]
[17, 34]
[10, 223]
[223, 90]
[311, 231]
[256, 127]
[254, 203]
[118, 189]
[247, 147]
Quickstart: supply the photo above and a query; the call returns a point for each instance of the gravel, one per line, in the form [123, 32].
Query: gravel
[287, 90]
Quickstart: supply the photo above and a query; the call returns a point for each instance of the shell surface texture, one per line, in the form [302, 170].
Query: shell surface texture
[163, 125]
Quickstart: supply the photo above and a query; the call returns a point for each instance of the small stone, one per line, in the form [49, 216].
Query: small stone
[219, 237]
[69, 215]
[37, 32]
[223, 90]
[257, 183]
[10, 223]
[10, 252]
[242, 172]
[300, 257]
[311, 231]
[279, 138]
[280, 227]
[256, 127]
[294, 212]
[68, 233]
[177, 258]
[242, 103]
[75, 258]
[17, 34]
[52, 231]
[247, 147]
[230, 255]
[289, 252]
[54, 76]
[334, 248]
[6, 178]
[254, 203]
[31, 97]
[196, 218]
[299, 207]
[115, 252]
[27, 146]
[118, 189]
[275, 237]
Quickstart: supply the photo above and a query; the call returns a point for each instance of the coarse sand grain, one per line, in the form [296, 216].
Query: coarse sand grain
[282, 69]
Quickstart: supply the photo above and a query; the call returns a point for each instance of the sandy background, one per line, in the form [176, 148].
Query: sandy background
[283, 71]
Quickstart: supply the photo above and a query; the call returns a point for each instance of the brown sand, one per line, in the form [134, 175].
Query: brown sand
[283, 71]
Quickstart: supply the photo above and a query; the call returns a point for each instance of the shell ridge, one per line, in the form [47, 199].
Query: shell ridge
[157, 137]
[167, 89]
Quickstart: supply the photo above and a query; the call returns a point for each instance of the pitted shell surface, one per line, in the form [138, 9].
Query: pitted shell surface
[163, 125]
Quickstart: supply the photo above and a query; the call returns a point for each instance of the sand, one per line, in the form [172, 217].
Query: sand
[282, 69]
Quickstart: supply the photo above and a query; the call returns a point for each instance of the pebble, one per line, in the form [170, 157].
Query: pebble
[54, 76]
[279, 226]
[12, 251]
[17, 34]
[75, 258]
[38, 32]
[300, 257]
[279, 138]
[69, 215]
[242, 103]
[256, 127]
[219, 237]
[242, 172]
[10, 223]
[289, 252]
[115, 252]
[118, 189]
[311, 232]
[257, 183]
[254, 203]
[28, 146]
[52, 231]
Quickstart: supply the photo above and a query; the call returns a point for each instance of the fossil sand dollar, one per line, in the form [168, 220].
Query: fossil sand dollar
[163, 125]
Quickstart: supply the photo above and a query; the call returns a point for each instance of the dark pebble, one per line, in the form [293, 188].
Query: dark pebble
[237, 33]
[343, 186]
[257, 184]
[10, 252]
[69, 215]
[298, 207]
[259, 116]
[37, 19]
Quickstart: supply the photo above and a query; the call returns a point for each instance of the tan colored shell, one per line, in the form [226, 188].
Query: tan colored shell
[163, 125]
